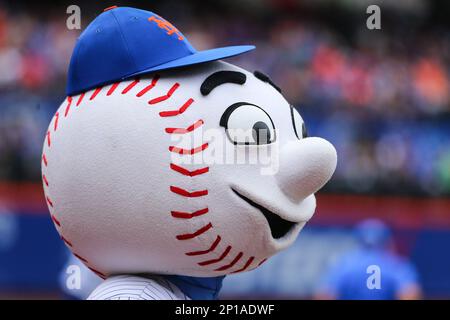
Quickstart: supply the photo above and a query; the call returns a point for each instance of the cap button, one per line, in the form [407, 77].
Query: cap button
[109, 8]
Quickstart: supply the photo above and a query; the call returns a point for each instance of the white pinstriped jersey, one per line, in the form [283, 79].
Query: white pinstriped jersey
[126, 287]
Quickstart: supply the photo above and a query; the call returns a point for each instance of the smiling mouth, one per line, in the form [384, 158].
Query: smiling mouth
[278, 226]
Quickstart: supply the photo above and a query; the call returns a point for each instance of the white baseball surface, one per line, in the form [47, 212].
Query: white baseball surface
[125, 201]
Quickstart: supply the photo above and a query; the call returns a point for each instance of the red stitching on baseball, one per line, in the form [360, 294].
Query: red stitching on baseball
[45, 179]
[188, 151]
[112, 89]
[177, 112]
[80, 99]
[264, 260]
[189, 215]
[48, 138]
[56, 121]
[55, 220]
[130, 86]
[200, 231]
[189, 194]
[44, 158]
[249, 261]
[80, 257]
[50, 203]
[150, 86]
[222, 256]
[96, 92]
[66, 241]
[232, 263]
[166, 96]
[192, 127]
[69, 102]
[101, 275]
[187, 172]
[213, 246]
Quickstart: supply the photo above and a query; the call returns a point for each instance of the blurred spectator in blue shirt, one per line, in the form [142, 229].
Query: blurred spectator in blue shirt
[373, 271]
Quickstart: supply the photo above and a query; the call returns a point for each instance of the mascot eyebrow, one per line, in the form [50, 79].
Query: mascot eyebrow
[263, 77]
[221, 77]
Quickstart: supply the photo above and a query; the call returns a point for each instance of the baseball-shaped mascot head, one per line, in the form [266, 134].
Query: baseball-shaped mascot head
[165, 160]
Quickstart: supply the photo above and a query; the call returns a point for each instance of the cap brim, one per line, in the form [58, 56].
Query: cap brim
[199, 57]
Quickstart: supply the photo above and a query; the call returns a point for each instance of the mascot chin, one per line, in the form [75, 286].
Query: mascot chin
[166, 169]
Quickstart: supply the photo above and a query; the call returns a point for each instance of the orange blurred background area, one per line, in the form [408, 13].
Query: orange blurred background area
[380, 96]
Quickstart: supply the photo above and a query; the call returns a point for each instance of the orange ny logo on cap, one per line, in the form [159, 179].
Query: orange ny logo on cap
[166, 25]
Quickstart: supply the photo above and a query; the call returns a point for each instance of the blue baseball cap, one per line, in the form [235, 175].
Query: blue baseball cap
[373, 233]
[124, 42]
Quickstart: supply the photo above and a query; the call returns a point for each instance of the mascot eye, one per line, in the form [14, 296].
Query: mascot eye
[299, 124]
[247, 124]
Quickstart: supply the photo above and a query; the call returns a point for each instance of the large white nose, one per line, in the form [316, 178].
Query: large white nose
[305, 166]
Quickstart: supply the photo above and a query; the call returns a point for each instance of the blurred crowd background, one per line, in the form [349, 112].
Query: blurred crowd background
[380, 96]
